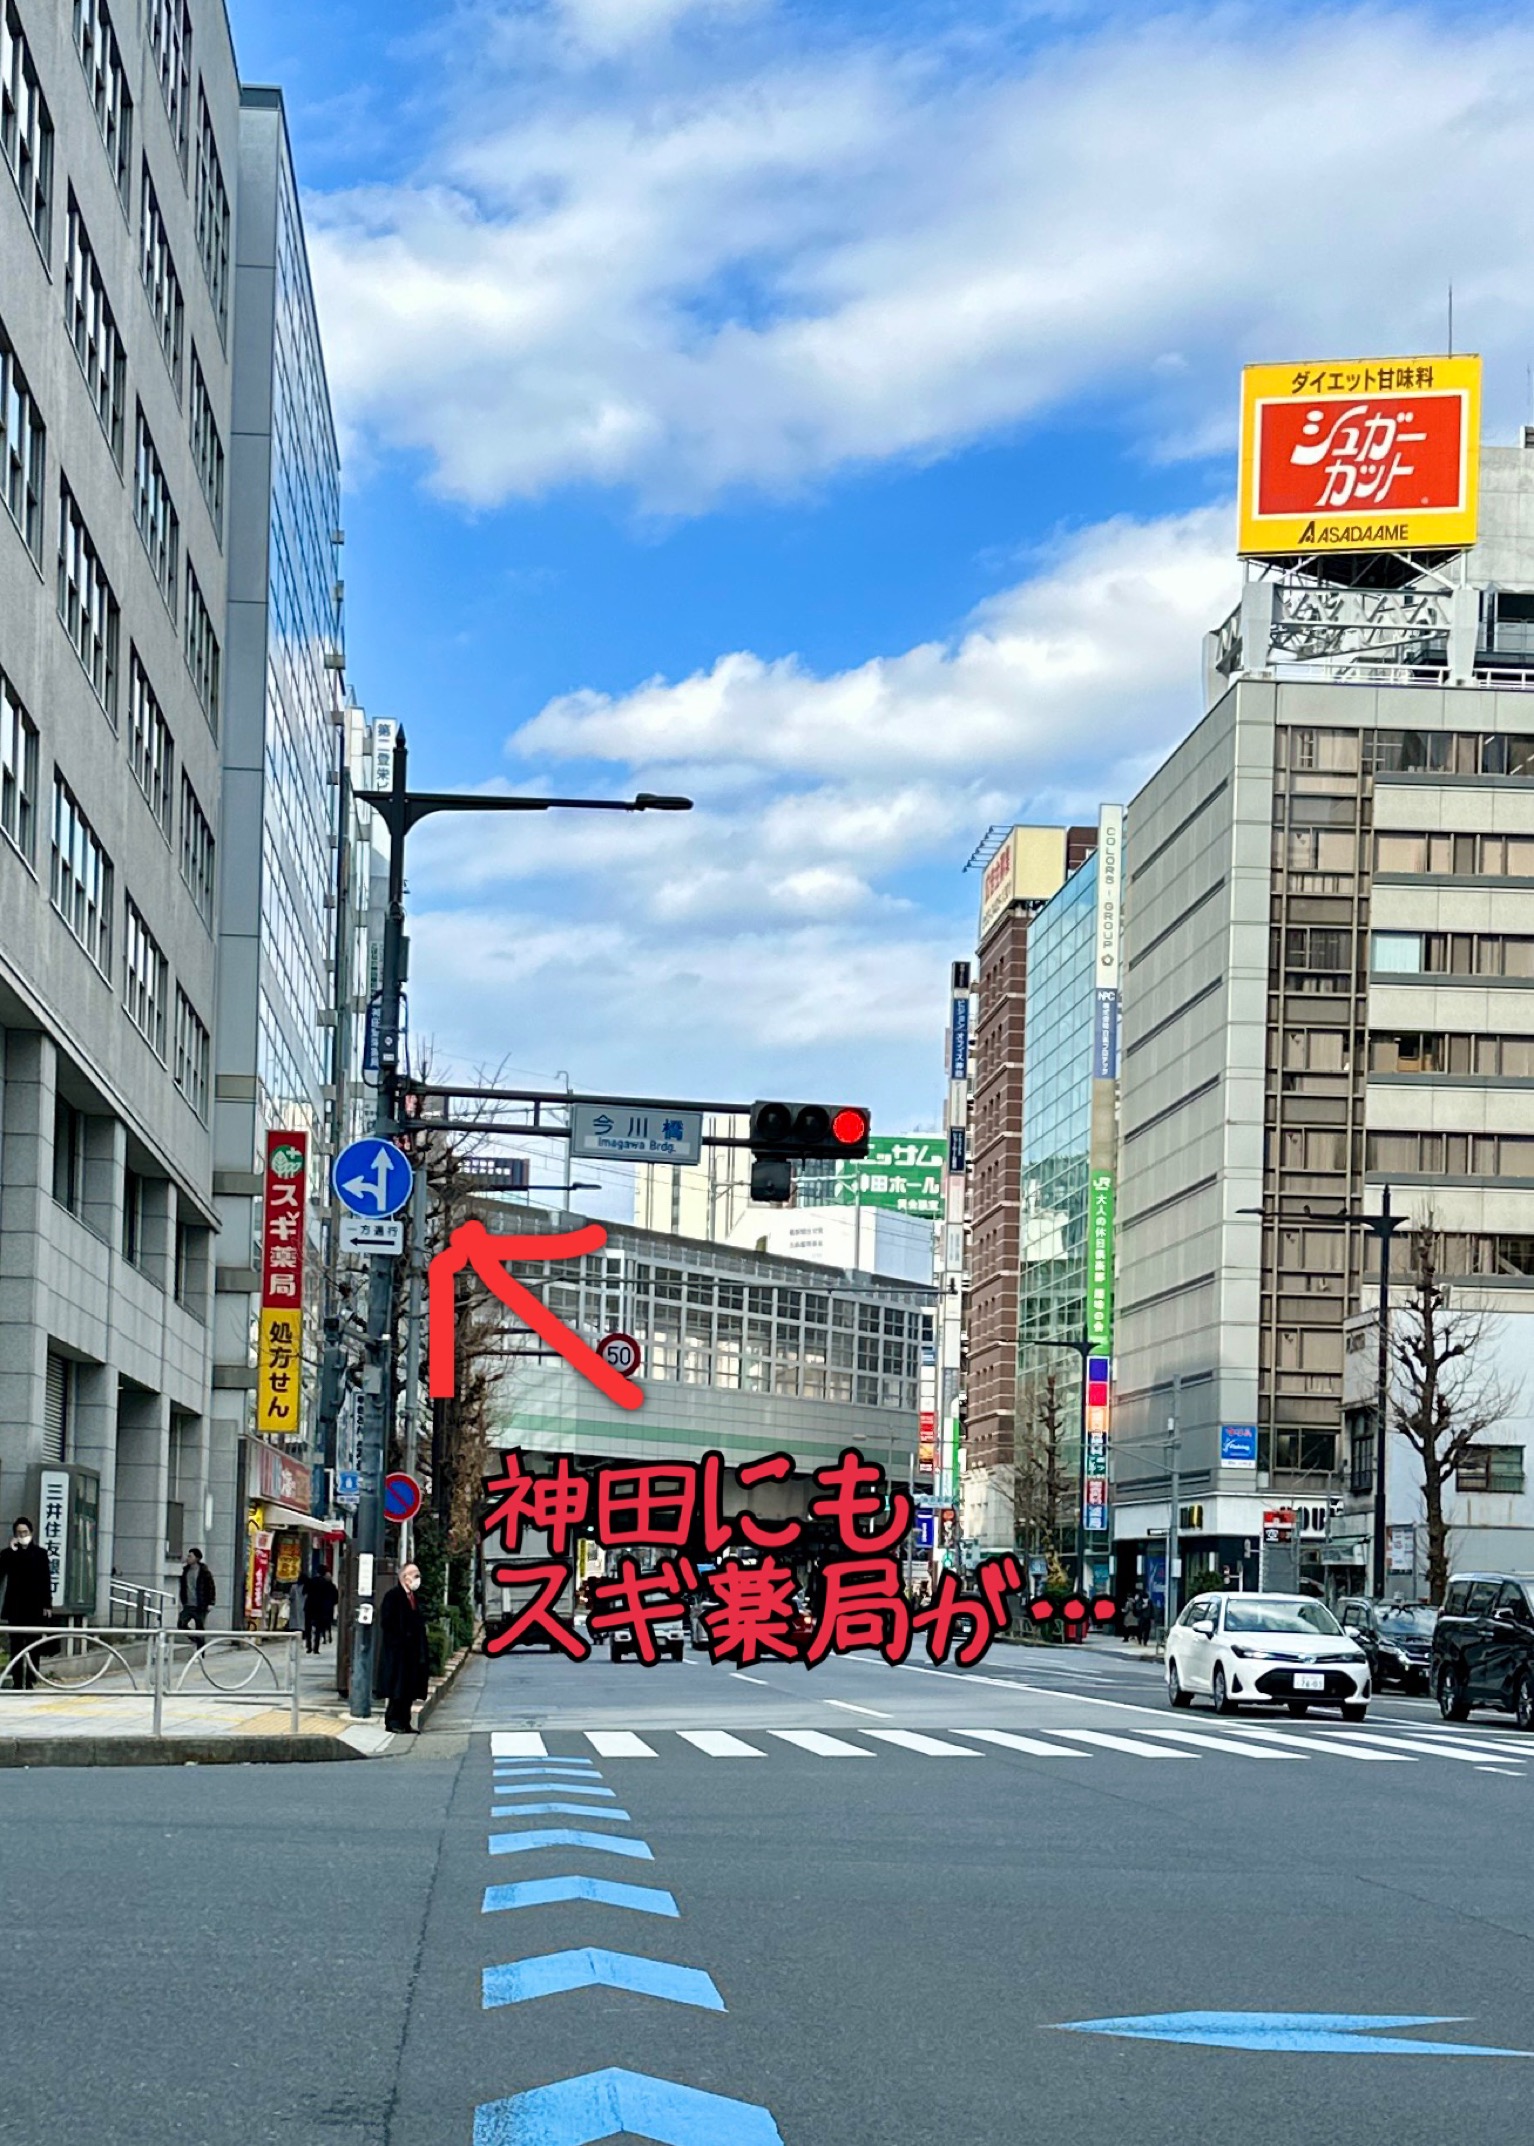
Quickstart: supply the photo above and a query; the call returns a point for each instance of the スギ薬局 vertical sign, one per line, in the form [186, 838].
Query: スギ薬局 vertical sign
[280, 1344]
[1362, 454]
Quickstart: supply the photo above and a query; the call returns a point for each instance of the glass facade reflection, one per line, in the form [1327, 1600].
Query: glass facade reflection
[1057, 1132]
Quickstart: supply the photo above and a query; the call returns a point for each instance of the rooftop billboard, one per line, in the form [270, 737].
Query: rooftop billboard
[1359, 455]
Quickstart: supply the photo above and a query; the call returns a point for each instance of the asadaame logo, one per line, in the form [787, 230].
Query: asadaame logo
[1355, 536]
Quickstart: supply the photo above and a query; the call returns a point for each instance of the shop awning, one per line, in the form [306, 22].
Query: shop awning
[288, 1516]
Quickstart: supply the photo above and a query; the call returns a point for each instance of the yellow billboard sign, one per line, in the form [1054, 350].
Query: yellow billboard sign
[279, 1373]
[1359, 455]
[1029, 866]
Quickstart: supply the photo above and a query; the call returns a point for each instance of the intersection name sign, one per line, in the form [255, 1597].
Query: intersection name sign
[635, 1132]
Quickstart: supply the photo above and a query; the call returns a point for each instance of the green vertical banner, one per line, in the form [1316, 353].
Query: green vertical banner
[1100, 1260]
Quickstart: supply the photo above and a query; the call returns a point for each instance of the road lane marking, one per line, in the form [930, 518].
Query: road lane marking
[566, 1837]
[1224, 1745]
[541, 1788]
[1010, 1740]
[1329, 1743]
[741, 1678]
[544, 1892]
[618, 1744]
[929, 1747]
[1128, 1744]
[544, 1810]
[600, 2104]
[517, 1744]
[720, 1744]
[819, 1744]
[550, 1974]
[851, 1706]
[1433, 1750]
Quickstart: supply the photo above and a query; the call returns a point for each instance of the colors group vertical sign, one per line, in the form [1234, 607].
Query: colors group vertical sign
[280, 1351]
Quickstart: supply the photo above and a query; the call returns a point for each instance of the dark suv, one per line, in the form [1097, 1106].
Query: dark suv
[1396, 1636]
[1483, 1646]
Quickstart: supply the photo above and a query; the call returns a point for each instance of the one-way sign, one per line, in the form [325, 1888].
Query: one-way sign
[635, 1132]
[372, 1178]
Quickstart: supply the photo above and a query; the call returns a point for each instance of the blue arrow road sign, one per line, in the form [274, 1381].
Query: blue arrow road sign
[589, 1967]
[1353, 2034]
[372, 1178]
[600, 2104]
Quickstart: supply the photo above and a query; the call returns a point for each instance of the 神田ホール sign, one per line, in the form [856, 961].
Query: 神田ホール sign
[1359, 455]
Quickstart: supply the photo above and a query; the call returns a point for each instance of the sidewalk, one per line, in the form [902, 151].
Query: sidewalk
[111, 1723]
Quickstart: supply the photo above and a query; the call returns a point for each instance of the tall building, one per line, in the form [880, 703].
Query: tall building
[118, 132]
[1069, 1166]
[284, 740]
[1328, 987]
[1029, 866]
[704, 1200]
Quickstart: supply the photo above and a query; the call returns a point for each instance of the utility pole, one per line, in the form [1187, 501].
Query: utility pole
[415, 1298]
[1383, 1226]
[1174, 1516]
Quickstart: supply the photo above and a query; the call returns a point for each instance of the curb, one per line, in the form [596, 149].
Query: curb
[442, 1685]
[172, 1750]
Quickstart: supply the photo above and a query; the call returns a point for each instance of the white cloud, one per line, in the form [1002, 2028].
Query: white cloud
[758, 271]
[616, 25]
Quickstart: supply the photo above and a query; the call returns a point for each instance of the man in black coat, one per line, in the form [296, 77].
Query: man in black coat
[320, 1598]
[198, 1595]
[404, 1653]
[27, 1579]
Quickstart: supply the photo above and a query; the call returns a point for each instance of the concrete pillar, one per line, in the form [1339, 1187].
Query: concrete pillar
[142, 1468]
[92, 1443]
[26, 1171]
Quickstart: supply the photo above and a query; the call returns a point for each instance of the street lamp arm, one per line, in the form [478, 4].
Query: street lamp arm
[420, 804]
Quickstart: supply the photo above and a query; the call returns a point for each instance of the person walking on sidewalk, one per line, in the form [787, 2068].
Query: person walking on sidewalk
[198, 1595]
[27, 1579]
[320, 1598]
[404, 1658]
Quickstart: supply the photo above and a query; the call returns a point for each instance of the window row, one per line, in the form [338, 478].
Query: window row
[1456, 856]
[212, 214]
[162, 286]
[79, 862]
[1403, 752]
[23, 451]
[26, 130]
[1497, 1469]
[88, 606]
[170, 43]
[93, 331]
[106, 81]
[1451, 1154]
[1500, 1057]
[1440, 953]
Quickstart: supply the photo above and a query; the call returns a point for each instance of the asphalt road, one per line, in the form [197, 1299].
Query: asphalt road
[892, 1890]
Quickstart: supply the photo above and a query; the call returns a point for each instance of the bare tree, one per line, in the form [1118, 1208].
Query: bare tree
[1444, 1393]
[1039, 1489]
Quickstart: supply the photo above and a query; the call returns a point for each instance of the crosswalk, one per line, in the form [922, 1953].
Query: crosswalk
[1141, 1741]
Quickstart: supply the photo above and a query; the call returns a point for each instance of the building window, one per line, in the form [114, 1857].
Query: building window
[162, 286]
[191, 1061]
[1479, 1057]
[151, 752]
[133, 1217]
[81, 879]
[212, 214]
[87, 608]
[203, 657]
[1448, 752]
[207, 447]
[92, 329]
[197, 852]
[26, 131]
[106, 82]
[68, 1154]
[170, 40]
[1451, 1154]
[1459, 953]
[18, 772]
[23, 451]
[1456, 856]
[1498, 1469]
[1360, 1452]
[146, 975]
[154, 514]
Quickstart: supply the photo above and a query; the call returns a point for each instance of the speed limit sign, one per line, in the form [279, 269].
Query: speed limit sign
[621, 1351]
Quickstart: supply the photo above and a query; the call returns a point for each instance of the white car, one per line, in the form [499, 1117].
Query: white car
[1265, 1650]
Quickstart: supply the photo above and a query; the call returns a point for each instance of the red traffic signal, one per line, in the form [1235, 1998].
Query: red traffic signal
[809, 1130]
[849, 1129]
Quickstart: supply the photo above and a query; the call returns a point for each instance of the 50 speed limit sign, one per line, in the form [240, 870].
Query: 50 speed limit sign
[621, 1351]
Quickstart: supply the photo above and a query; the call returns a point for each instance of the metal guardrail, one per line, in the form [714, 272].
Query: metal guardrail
[130, 1661]
[140, 1609]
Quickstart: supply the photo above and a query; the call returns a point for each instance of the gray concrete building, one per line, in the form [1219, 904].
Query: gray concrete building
[1328, 986]
[118, 129]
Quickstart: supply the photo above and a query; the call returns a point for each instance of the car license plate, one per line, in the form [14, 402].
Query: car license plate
[1309, 1680]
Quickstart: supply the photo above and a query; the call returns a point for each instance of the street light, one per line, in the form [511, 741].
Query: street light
[1382, 1225]
[401, 809]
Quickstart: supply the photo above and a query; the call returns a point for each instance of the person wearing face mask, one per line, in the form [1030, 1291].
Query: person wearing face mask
[27, 1580]
[404, 1655]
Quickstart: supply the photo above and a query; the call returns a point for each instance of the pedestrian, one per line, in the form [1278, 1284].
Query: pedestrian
[320, 1599]
[1145, 1617]
[1136, 1613]
[198, 1595]
[27, 1579]
[404, 1655]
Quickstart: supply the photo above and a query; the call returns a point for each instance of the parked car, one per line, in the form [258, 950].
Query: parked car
[1396, 1636]
[1483, 1646]
[1266, 1650]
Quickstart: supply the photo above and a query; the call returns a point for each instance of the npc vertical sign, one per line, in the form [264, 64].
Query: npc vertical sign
[280, 1351]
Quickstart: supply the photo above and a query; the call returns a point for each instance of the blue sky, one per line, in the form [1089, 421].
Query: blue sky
[828, 411]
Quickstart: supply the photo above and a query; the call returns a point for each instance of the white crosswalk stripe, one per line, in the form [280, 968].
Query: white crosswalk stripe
[619, 1744]
[720, 1744]
[1108, 1742]
[1333, 1744]
[930, 1747]
[819, 1745]
[1438, 1750]
[517, 1744]
[1009, 1740]
[1226, 1746]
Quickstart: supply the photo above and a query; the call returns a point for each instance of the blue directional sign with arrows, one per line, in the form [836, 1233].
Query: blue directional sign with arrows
[601, 2104]
[1351, 2034]
[372, 1178]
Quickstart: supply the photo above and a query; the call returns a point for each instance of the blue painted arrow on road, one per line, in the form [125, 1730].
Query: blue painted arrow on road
[600, 2104]
[564, 1837]
[542, 1892]
[541, 1788]
[542, 1810]
[589, 1967]
[1353, 2034]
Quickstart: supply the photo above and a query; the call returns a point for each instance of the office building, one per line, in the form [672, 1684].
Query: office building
[1328, 987]
[864, 1240]
[119, 130]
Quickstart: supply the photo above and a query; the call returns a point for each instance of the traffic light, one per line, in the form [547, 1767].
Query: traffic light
[785, 1133]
